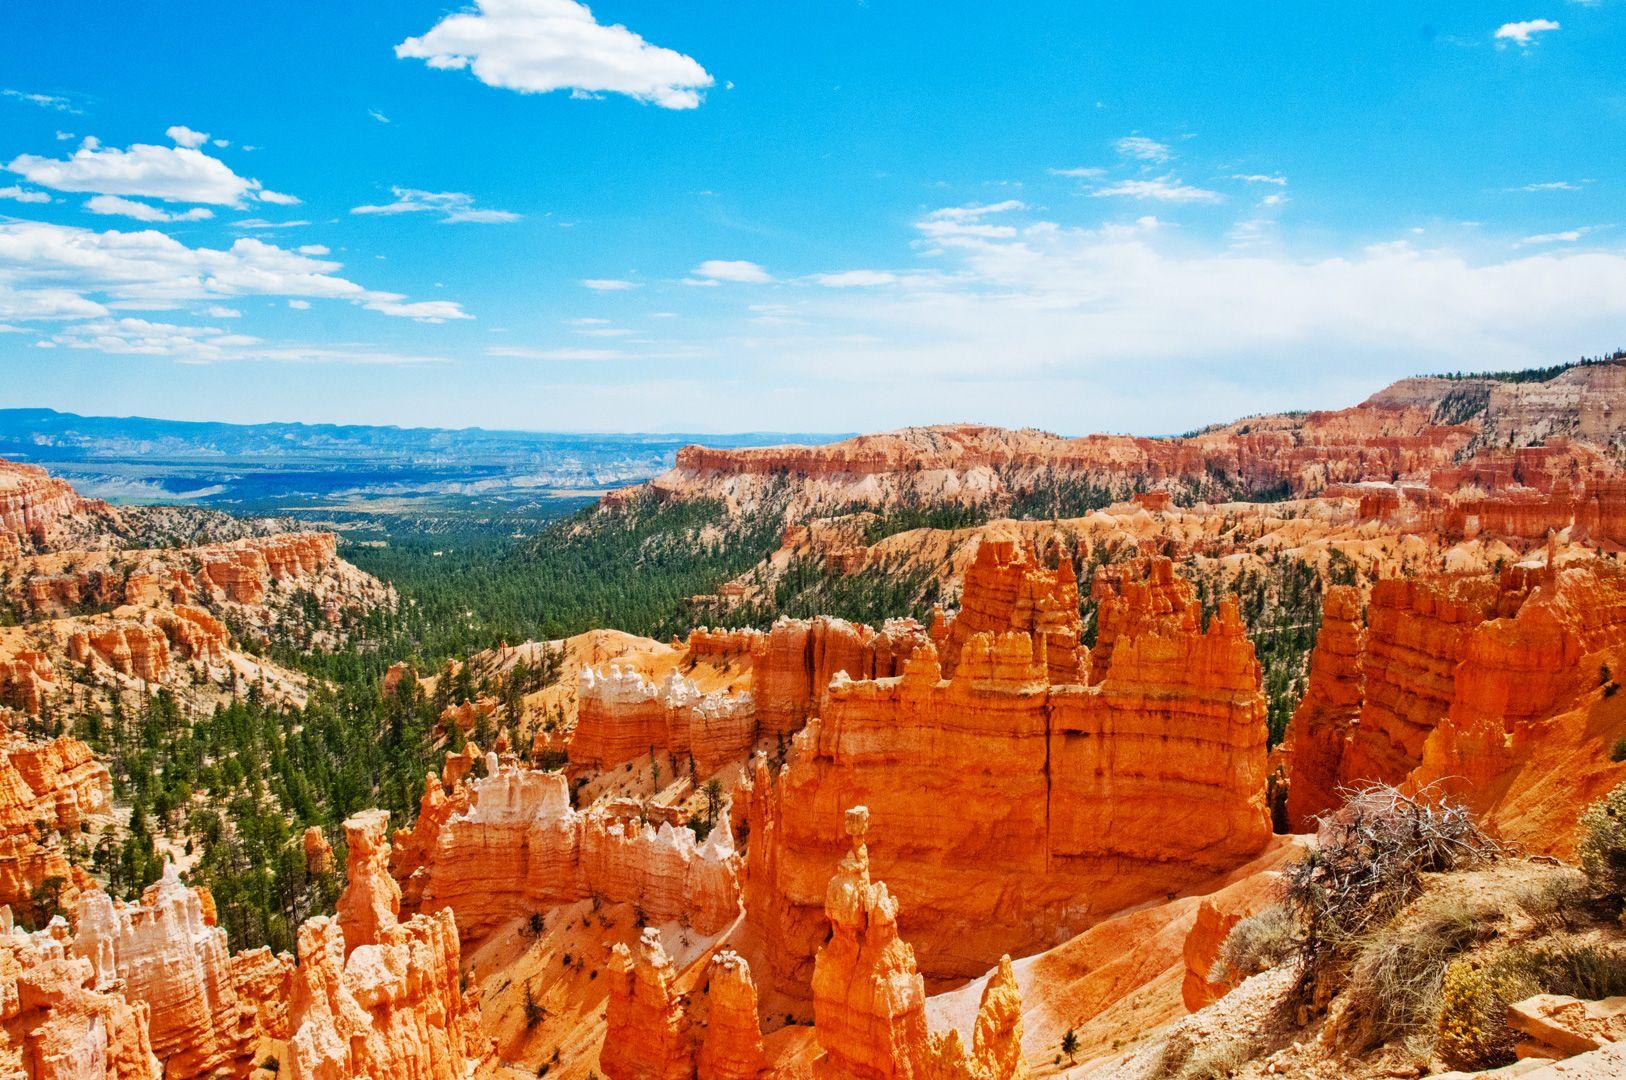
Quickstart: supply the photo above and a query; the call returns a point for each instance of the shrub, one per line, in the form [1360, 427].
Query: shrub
[1256, 944]
[1574, 970]
[1473, 1032]
[1617, 753]
[1369, 862]
[1602, 846]
[1395, 980]
[1553, 901]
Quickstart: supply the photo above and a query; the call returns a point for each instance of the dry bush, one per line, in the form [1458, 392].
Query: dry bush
[1182, 1059]
[1602, 847]
[1574, 969]
[1256, 944]
[1395, 979]
[1369, 862]
[1555, 901]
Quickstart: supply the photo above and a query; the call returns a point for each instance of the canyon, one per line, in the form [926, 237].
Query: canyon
[1005, 833]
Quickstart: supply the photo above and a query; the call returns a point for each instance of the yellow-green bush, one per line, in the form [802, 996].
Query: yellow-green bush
[1473, 1031]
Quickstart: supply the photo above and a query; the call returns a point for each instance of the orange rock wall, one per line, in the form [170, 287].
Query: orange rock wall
[1068, 801]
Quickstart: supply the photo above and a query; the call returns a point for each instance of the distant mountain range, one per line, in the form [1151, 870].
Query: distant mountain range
[266, 467]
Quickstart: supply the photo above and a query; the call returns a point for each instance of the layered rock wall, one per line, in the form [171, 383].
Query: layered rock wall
[513, 845]
[1068, 800]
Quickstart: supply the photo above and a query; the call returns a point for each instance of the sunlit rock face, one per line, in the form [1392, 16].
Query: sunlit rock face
[1009, 811]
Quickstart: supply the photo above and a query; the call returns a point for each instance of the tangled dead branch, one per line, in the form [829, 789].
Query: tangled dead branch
[1368, 863]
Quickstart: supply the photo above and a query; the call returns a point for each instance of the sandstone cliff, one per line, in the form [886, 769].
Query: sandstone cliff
[1069, 800]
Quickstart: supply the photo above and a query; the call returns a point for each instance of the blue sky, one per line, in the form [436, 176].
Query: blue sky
[820, 215]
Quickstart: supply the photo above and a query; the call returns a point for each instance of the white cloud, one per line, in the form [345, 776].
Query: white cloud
[608, 284]
[376, 115]
[210, 344]
[452, 206]
[1079, 172]
[859, 279]
[260, 224]
[313, 249]
[1524, 33]
[732, 270]
[1162, 189]
[23, 195]
[277, 198]
[516, 353]
[537, 46]
[1140, 148]
[151, 271]
[1568, 236]
[185, 136]
[300, 305]
[960, 221]
[169, 173]
[44, 101]
[1260, 178]
[218, 311]
[113, 204]
[46, 303]
[1551, 185]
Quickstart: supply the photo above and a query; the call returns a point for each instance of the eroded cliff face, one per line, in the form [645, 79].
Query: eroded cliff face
[869, 1001]
[52, 786]
[1455, 680]
[1068, 800]
[376, 997]
[510, 844]
[166, 954]
[34, 504]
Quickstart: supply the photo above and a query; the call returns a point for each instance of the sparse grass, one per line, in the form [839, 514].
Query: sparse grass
[1553, 902]
[1574, 969]
[1256, 944]
[1183, 1059]
[1394, 986]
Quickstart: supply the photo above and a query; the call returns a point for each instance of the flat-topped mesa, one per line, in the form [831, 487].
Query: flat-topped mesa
[622, 716]
[1070, 800]
[167, 955]
[375, 997]
[869, 1000]
[517, 846]
[1466, 676]
[1008, 588]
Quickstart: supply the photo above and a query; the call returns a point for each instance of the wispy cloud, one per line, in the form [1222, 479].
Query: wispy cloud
[452, 207]
[168, 173]
[1163, 189]
[44, 101]
[737, 271]
[608, 284]
[1141, 148]
[115, 205]
[1551, 185]
[23, 195]
[519, 353]
[1568, 236]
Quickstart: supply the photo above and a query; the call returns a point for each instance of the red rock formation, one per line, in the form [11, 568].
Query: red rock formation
[65, 1030]
[1202, 948]
[134, 649]
[622, 716]
[56, 785]
[513, 845]
[732, 1046]
[792, 673]
[194, 634]
[32, 502]
[166, 955]
[1069, 801]
[1006, 589]
[26, 680]
[646, 1037]
[869, 999]
[375, 997]
[1325, 718]
[318, 852]
[241, 572]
